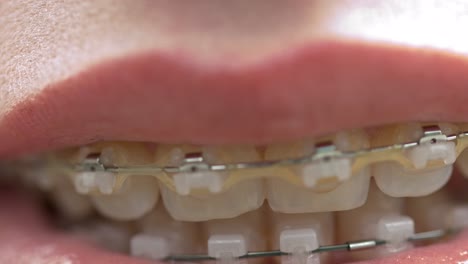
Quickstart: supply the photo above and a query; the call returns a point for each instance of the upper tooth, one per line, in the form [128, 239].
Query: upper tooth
[140, 193]
[86, 182]
[243, 197]
[394, 180]
[240, 198]
[341, 194]
[138, 197]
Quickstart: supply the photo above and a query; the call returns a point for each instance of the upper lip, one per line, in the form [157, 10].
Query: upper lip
[320, 88]
[353, 78]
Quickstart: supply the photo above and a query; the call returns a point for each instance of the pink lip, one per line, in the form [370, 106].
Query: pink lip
[316, 89]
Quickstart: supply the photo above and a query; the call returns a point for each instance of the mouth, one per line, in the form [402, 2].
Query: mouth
[162, 155]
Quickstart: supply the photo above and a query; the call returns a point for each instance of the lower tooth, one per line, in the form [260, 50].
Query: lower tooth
[231, 238]
[437, 211]
[395, 230]
[162, 236]
[287, 198]
[299, 234]
[139, 195]
[112, 236]
[361, 223]
[395, 181]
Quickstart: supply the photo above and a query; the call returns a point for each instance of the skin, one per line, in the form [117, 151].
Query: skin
[75, 60]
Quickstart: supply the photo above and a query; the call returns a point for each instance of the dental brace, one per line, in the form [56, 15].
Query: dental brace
[433, 150]
[348, 246]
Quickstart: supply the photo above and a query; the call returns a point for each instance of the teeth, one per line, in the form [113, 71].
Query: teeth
[462, 163]
[139, 193]
[301, 233]
[361, 223]
[149, 246]
[395, 181]
[86, 182]
[458, 217]
[396, 230]
[241, 198]
[173, 237]
[287, 198]
[232, 238]
[436, 211]
[136, 199]
[342, 194]
[71, 205]
[111, 236]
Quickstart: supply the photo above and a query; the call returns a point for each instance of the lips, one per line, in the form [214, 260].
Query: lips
[316, 89]
[367, 76]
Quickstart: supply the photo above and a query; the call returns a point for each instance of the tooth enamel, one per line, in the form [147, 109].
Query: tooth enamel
[241, 234]
[149, 246]
[287, 198]
[396, 230]
[240, 198]
[426, 152]
[457, 217]
[329, 182]
[109, 235]
[395, 181]
[178, 237]
[86, 182]
[462, 163]
[301, 233]
[435, 211]
[313, 173]
[71, 205]
[137, 198]
[361, 223]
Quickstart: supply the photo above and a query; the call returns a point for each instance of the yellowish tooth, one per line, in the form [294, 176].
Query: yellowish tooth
[329, 192]
[397, 181]
[137, 198]
[193, 201]
[361, 223]
[138, 195]
[436, 211]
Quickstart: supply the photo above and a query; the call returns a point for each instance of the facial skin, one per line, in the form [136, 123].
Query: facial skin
[46, 43]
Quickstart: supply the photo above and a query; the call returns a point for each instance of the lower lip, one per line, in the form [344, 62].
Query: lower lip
[27, 237]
